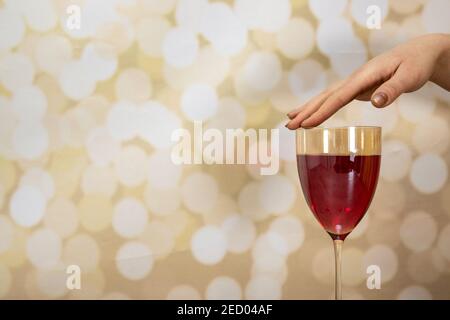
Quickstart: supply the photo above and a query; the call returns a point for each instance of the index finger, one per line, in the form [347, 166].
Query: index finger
[355, 85]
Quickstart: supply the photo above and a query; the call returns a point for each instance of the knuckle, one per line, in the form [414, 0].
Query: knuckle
[415, 77]
[358, 73]
[391, 90]
[339, 101]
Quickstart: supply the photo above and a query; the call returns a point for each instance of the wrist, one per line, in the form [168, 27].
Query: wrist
[441, 74]
[444, 41]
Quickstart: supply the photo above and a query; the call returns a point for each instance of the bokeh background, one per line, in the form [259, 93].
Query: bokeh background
[86, 178]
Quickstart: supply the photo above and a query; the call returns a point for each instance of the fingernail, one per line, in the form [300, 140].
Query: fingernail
[380, 99]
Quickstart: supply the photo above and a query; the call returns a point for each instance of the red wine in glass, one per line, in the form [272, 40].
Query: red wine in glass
[338, 189]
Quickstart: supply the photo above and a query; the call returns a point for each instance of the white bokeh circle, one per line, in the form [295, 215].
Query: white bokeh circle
[41, 180]
[102, 148]
[75, 80]
[223, 288]
[129, 218]
[134, 260]
[433, 16]
[240, 232]
[100, 62]
[271, 15]
[29, 103]
[16, 70]
[307, 79]
[296, 39]
[162, 202]
[386, 38]
[27, 206]
[210, 67]
[159, 237]
[282, 97]
[44, 248]
[262, 70]
[62, 217]
[150, 33]
[222, 28]
[180, 47]
[384, 257]
[270, 252]
[418, 231]
[428, 173]
[397, 158]
[200, 192]
[131, 166]
[30, 140]
[333, 35]
[156, 124]
[415, 106]
[432, 135]
[121, 121]
[414, 293]
[209, 245]
[263, 288]
[183, 292]
[133, 84]
[291, 229]
[277, 194]
[189, 13]
[82, 250]
[51, 282]
[12, 29]
[40, 15]
[230, 115]
[162, 172]
[199, 102]
[52, 52]
[324, 9]
[249, 202]
[345, 62]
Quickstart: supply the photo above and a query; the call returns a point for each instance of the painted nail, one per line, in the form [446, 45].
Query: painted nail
[380, 99]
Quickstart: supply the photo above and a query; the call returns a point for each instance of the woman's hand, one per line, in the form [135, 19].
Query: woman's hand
[405, 68]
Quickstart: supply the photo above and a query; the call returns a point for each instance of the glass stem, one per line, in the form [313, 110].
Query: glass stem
[337, 259]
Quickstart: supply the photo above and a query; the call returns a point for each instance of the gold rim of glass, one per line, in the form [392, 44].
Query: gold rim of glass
[344, 127]
[356, 140]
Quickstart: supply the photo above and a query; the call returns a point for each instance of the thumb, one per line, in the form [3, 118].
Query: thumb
[399, 83]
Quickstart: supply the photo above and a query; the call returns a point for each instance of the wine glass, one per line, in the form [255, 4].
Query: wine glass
[338, 170]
